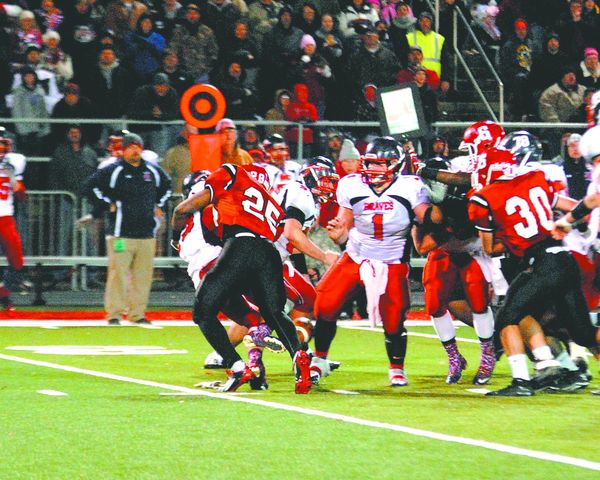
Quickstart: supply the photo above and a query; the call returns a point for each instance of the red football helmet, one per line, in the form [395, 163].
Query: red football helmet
[479, 138]
[5, 143]
[492, 165]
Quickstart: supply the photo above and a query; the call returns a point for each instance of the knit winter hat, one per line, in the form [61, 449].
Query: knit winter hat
[307, 40]
[348, 151]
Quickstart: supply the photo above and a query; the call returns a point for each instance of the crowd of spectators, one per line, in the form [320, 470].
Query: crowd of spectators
[302, 61]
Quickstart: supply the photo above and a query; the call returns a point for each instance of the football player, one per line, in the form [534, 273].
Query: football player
[278, 154]
[249, 263]
[515, 212]
[12, 166]
[377, 209]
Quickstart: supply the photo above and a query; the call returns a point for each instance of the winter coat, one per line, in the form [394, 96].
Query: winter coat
[557, 104]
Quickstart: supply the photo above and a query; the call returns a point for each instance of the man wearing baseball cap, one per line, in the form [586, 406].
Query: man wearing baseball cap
[133, 193]
[230, 149]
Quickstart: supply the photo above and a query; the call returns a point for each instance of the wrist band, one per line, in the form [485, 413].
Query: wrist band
[580, 211]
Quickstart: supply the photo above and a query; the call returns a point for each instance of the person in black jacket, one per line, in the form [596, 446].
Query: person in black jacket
[134, 193]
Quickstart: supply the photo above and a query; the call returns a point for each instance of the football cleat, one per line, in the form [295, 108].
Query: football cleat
[259, 381]
[455, 369]
[546, 377]
[302, 371]
[213, 360]
[397, 377]
[320, 368]
[569, 382]
[486, 368]
[260, 336]
[237, 379]
[583, 368]
[518, 388]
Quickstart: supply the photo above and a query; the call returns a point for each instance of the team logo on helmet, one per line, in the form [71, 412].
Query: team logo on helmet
[479, 138]
[320, 177]
[525, 147]
[383, 161]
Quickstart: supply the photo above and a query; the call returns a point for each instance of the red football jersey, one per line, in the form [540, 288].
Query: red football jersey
[518, 210]
[242, 201]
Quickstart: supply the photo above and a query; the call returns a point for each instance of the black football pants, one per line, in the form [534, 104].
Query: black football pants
[247, 265]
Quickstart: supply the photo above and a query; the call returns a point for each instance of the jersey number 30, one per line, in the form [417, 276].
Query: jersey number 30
[542, 214]
[265, 210]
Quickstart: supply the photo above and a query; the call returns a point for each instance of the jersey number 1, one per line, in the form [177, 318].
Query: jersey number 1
[378, 226]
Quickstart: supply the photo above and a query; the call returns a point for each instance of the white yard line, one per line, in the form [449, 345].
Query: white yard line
[412, 334]
[550, 457]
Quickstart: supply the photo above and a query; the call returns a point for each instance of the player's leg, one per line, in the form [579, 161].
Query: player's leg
[393, 306]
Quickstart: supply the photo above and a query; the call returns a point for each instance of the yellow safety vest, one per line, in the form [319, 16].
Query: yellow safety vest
[431, 45]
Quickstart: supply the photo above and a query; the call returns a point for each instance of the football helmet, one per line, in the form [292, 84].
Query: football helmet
[479, 138]
[492, 165]
[5, 143]
[524, 146]
[192, 179]
[277, 149]
[114, 145]
[320, 177]
[382, 151]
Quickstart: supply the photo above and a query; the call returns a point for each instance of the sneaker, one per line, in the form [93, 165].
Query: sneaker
[302, 371]
[546, 377]
[260, 336]
[486, 368]
[237, 378]
[455, 369]
[518, 388]
[142, 321]
[320, 368]
[213, 360]
[114, 321]
[397, 377]
[569, 382]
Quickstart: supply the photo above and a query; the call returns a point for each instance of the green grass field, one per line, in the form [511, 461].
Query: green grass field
[113, 425]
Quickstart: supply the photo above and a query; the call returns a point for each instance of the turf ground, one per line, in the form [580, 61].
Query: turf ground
[137, 416]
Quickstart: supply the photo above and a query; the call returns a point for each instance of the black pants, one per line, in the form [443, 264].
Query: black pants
[247, 265]
[553, 281]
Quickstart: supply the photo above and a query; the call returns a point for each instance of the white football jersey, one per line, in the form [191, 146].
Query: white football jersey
[553, 172]
[193, 248]
[12, 168]
[582, 242]
[382, 222]
[296, 196]
[459, 164]
[290, 173]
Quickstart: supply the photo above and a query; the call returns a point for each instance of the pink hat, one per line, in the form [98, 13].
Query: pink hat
[590, 52]
[224, 124]
[307, 40]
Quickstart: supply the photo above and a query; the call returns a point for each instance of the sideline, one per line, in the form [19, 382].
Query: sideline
[550, 457]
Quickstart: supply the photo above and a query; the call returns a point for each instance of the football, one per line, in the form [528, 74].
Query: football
[304, 328]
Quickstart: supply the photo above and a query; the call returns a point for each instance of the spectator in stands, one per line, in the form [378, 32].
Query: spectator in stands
[220, 16]
[547, 68]
[49, 17]
[143, 49]
[158, 102]
[436, 54]
[250, 138]
[230, 149]
[591, 13]
[178, 77]
[279, 49]
[415, 59]
[355, 12]
[263, 15]
[56, 60]
[384, 36]
[334, 145]
[428, 97]
[122, 16]
[559, 102]
[588, 74]
[135, 208]
[330, 46]
[373, 63]
[277, 112]
[195, 45]
[365, 108]
[6, 74]
[309, 20]
[73, 105]
[328, 38]
[301, 110]
[108, 85]
[576, 34]
[240, 43]
[28, 102]
[403, 23]
[72, 162]
[169, 13]
[331, 7]
[28, 32]
[79, 35]
[516, 59]
[310, 68]
[439, 147]
[239, 95]
[178, 163]
[446, 21]
[575, 168]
